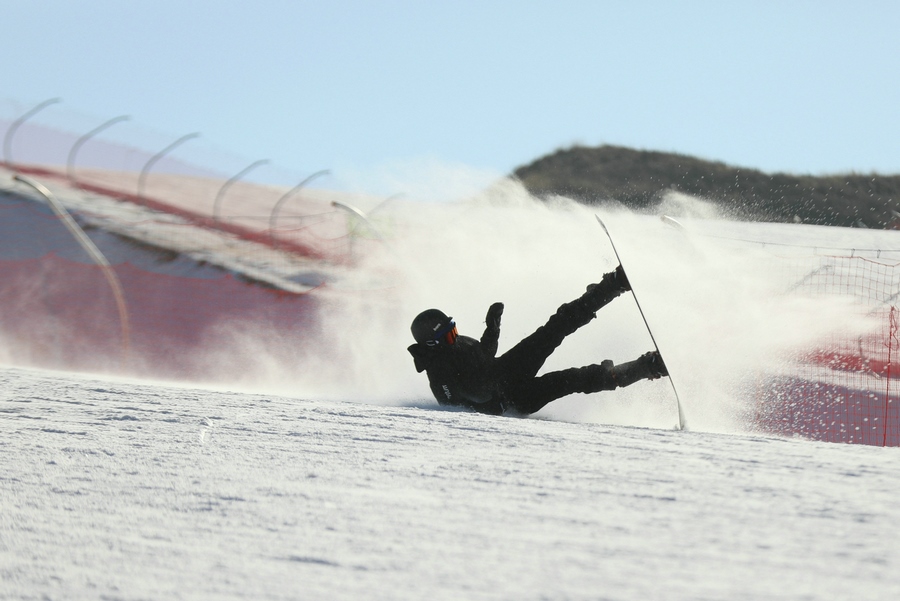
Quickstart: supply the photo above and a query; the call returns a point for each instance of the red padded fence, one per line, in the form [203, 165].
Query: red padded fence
[57, 309]
[59, 313]
[201, 259]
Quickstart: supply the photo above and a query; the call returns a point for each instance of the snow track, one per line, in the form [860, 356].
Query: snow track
[121, 490]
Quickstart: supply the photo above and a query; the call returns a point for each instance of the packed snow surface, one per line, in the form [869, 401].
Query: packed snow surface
[113, 489]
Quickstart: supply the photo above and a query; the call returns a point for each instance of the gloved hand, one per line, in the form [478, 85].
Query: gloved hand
[492, 319]
[491, 334]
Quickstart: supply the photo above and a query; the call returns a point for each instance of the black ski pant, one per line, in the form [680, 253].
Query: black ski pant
[517, 369]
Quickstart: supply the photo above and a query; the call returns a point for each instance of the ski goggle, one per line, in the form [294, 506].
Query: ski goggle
[446, 335]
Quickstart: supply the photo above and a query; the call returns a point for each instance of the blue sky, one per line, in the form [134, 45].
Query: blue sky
[358, 87]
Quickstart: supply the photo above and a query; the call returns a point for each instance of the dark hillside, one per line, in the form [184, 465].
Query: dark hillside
[639, 178]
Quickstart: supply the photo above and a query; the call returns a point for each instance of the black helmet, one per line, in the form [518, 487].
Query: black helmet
[432, 327]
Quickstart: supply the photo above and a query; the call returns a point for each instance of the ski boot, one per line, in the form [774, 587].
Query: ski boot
[649, 366]
[600, 294]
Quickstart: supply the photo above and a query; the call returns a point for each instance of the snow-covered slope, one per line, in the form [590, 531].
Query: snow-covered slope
[122, 490]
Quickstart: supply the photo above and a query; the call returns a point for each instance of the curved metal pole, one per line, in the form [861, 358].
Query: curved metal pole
[221, 194]
[70, 162]
[358, 214]
[91, 249]
[143, 176]
[7, 139]
[273, 218]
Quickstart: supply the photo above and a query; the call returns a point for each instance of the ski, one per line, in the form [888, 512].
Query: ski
[681, 422]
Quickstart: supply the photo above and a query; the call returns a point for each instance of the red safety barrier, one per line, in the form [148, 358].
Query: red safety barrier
[57, 308]
[59, 313]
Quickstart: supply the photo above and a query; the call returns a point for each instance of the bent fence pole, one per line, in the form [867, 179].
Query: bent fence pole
[91, 249]
[273, 217]
[7, 139]
[70, 162]
[359, 215]
[221, 194]
[143, 176]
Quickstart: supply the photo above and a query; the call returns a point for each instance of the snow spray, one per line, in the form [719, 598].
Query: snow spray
[718, 310]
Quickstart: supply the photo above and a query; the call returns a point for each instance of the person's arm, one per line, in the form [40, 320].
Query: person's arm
[491, 334]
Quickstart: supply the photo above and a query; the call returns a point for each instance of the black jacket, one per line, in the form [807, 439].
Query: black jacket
[464, 373]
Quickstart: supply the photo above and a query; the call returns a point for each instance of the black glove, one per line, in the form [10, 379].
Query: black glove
[491, 334]
[492, 319]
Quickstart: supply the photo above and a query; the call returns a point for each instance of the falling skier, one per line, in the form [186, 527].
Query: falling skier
[465, 372]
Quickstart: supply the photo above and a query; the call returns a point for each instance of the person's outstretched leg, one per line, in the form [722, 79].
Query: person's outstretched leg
[532, 395]
[525, 359]
[535, 394]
